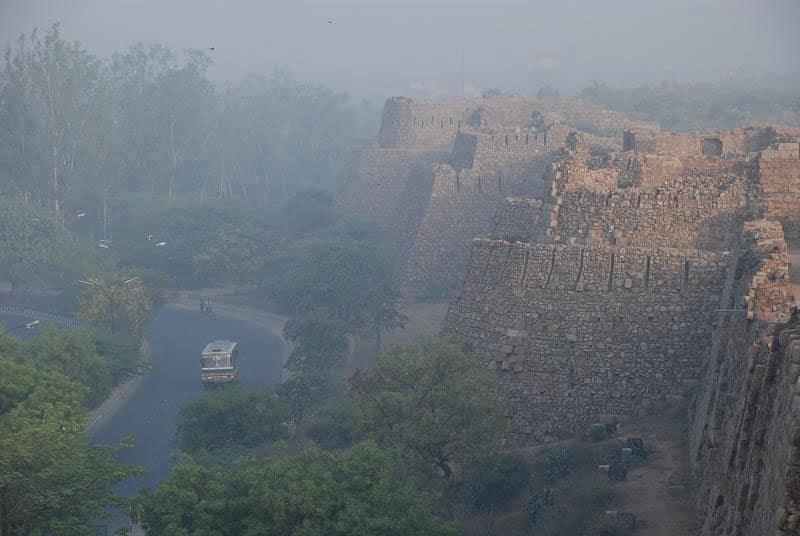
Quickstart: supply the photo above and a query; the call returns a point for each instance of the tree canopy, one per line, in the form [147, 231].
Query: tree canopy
[231, 416]
[355, 493]
[432, 400]
[51, 479]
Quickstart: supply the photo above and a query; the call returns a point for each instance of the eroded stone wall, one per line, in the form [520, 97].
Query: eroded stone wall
[584, 332]
[745, 425]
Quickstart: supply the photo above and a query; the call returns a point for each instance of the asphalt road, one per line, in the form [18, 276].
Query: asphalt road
[177, 336]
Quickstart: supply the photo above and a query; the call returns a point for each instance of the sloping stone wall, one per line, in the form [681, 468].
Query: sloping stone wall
[581, 333]
[745, 424]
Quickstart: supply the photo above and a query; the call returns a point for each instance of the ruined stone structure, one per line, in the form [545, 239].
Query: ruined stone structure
[619, 278]
[745, 428]
[439, 170]
[641, 277]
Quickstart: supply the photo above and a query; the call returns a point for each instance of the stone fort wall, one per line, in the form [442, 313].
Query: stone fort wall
[586, 332]
[439, 170]
[745, 423]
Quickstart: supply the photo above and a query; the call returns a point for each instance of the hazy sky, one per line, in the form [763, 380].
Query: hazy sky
[381, 47]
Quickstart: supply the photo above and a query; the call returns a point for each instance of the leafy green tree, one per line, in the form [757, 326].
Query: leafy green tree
[237, 254]
[115, 300]
[51, 479]
[351, 279]
[431, 400]
[320, 342]
[31, 243]
[231, 416]
[73, 354]
[355, 493]
[303, 390]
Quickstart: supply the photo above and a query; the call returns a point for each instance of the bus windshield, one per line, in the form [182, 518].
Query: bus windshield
[216, 361]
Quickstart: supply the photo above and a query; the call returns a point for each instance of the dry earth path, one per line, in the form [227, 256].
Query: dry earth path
[659, 492]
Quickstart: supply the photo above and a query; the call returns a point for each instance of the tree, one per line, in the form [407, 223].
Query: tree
[51, 479]
[73, 354]
[110, 298]
[356, 493]
[231, 416]
[431, 400]
[238, 254]
[351, 279]
[320, 343]
[304, 389]
[31, 243]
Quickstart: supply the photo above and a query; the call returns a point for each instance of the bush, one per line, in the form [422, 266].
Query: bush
[122, 354]
[229, 416]
[332, 429]
[496, 479]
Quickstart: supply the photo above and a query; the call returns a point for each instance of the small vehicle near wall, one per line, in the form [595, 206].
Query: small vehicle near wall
[219, 363]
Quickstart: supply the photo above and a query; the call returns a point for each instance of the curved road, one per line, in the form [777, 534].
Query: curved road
[177, 336]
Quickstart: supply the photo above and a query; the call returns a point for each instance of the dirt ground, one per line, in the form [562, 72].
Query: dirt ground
[659, 492]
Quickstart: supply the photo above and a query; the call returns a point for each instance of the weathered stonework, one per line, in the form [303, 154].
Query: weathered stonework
[476, 153]
[745, 424]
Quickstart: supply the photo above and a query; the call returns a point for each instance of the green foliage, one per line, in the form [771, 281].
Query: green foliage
[237, 255]
[333, 428]
[494, 479]
[308, 211]
[31, 243]
[351, 279]
[355, 493]
[118, 302]
[320, 342]
[231, 416]
[433, 401]
[303, 390]
[73, 354]
[51, 479]
[121, 353]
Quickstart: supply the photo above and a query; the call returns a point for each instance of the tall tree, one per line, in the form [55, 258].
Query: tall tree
[431, 400]
[115, 301]
[51, 479]
[31, 243]
[355, 493]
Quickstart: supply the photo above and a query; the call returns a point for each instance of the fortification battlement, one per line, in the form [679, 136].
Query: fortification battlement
[748, 139]
[591, 268]
[433, 123]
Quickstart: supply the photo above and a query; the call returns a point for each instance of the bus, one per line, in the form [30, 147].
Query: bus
[219, 363]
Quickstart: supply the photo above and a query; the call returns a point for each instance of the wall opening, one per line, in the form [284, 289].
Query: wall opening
[500, 183]
[451, 121]
[506, 140]
[685, 284]
[611, 273]
[711, 147]
[458, 181]
[628, 141]
[647, 272]
[524, 268]
[580, 269]
[552, 266]
[480, 184]
[527, 138]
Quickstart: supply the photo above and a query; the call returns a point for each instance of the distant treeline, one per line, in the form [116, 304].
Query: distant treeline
[77, 130]
[701, 106]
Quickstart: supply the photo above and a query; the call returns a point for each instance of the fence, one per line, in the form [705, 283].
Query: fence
[40, 315]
